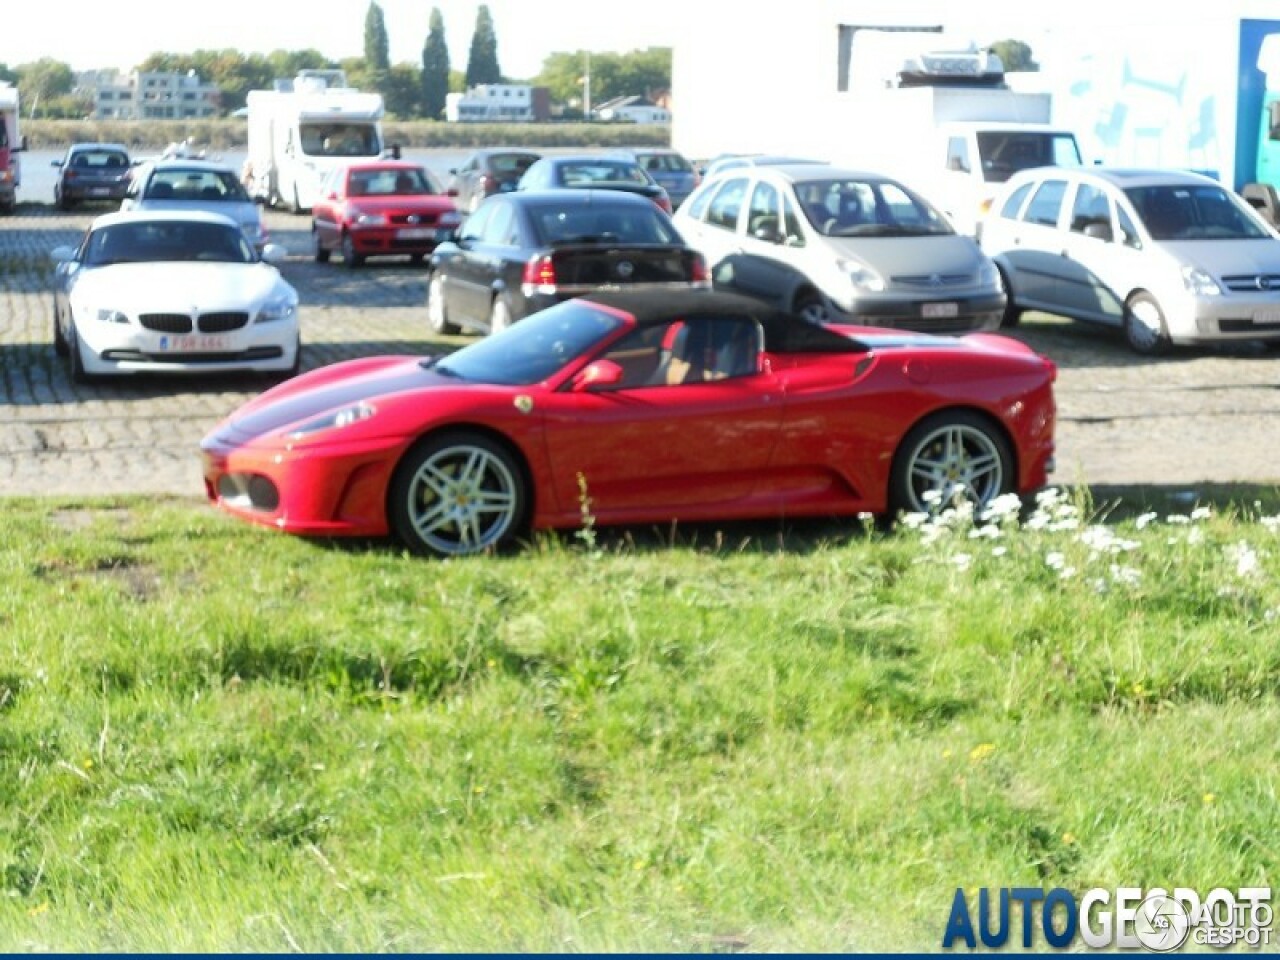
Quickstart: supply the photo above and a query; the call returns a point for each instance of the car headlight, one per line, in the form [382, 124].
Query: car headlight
[342, 417]
[111, 316]
[988, 275]
[280, 308]
[370, 220]
[861, 276]
[1199, 282]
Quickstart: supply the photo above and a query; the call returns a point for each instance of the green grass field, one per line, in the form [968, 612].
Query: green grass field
[217, 738]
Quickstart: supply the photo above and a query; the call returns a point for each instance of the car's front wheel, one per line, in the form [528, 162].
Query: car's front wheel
[810, 306]
[59, 341]
[949, 456]
[457, 494]
[349, 256]
[1145, 329]
[75, 362]
[437, 312]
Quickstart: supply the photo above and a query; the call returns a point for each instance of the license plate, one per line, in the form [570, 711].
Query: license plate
[99, 192]
[936, 310]
[193, 343]
[1268, 317]
[416, 233]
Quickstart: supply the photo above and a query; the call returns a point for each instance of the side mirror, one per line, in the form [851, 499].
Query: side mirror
[274, 253]
[55, 163]
[62, 254]
[1099, 231]
[597, 375]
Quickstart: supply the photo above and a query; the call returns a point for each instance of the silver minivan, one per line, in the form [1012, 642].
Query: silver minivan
[840, 245]
[1169, 257]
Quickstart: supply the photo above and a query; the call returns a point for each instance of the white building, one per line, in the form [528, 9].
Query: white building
[150, 96]
[491, 103]
[632, 110]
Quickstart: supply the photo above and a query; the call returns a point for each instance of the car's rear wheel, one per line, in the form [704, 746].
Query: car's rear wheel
[1145, 329]
[952, 455]
[350, 258]
[810, 306]
[457, 494]
[437, 312]
[499, 315]
[321, 251]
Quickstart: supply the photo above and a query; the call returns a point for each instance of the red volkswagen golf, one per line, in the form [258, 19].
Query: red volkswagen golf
[386, 208]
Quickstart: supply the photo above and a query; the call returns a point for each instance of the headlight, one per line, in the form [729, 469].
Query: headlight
[861, 276]
[1199, 282]
[343, 417]
[281, 308]
[988, 275]
[370, 220]
[111, 316]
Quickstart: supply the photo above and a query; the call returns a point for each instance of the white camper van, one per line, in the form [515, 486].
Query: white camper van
[304, 128]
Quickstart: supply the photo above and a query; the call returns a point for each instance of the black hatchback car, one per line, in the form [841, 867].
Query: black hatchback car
[92, 172]
[522, 252]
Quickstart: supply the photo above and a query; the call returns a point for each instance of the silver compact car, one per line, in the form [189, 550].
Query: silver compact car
[1166, 256]
[185, 185]
[839, 245]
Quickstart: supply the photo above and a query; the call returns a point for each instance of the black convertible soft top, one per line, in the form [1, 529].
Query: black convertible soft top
[783, 332]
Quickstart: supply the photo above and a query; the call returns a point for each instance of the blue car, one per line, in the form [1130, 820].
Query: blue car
[669, 168]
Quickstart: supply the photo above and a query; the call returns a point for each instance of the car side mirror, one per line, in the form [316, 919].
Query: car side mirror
[1099, 231]
[274, 253]
[62, 254]
[598, 375]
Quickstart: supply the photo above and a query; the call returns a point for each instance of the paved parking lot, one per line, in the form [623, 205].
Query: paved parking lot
[1195, 416]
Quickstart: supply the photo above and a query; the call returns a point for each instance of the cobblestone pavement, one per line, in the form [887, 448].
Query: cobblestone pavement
[1195, 416]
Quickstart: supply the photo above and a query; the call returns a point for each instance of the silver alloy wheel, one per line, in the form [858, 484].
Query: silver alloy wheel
[1144, 325]
[953, 460]
[462, 499]
[437, 315]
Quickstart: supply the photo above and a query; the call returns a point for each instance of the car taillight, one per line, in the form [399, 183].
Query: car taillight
[69, 175]
[663, 202]
[539, 276]
[487, 184]
[698, 272]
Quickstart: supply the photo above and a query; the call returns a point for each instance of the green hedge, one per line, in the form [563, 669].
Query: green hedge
[229, 134]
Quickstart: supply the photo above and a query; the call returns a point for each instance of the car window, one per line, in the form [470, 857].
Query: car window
[688, 350]
[851, 207]
[475, 224]
[587, 223]
[1128, 230]
[764, 213]
[791, 224]
[339, 139]
[100, 160]
[1046, 203]
[514, 164]
[958, 154]
[388, 183]
[1013, 203]
[727, 203]
[1193, 212]
[181, 183]
[587, 173]
[500, 227]
[664, 162]
[696, 206]
[1090, 207]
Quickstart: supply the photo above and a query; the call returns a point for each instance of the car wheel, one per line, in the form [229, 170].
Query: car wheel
[457, 494]
[63, 203]
[499, 315]
[350, 258]
[321, 251]
[951, 454]
[1012, 312]
[437, 313]
[1144, 326]
[59, 341]
[810, 306]
[75, 363]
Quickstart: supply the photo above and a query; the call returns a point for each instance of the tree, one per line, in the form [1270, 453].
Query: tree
[1015, 55]
[376, 44]
[435, 68]
[482, 64]
[639, 72]
[45, 79]
[401, 91]
[7, 75]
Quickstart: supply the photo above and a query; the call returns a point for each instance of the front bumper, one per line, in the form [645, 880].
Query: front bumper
[393, 241]
[940, 314]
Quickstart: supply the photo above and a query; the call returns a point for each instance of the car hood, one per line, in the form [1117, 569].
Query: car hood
[331, 388]
[1227, 257]
[175, 287]
[910, 256]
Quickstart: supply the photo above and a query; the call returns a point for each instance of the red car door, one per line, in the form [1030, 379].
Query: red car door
[648, 447]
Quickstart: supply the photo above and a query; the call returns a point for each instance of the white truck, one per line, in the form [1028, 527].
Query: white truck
[304, 128]
[939, 115]
[11, 143]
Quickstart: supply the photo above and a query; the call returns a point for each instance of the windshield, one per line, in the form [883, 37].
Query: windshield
[160, 241]
[600, 221]
[181, 183]
[389, 182]
[585, 173]
[1193, 213]
[533, 349]
[1005, 152]
[868, 208]
[340, 139]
